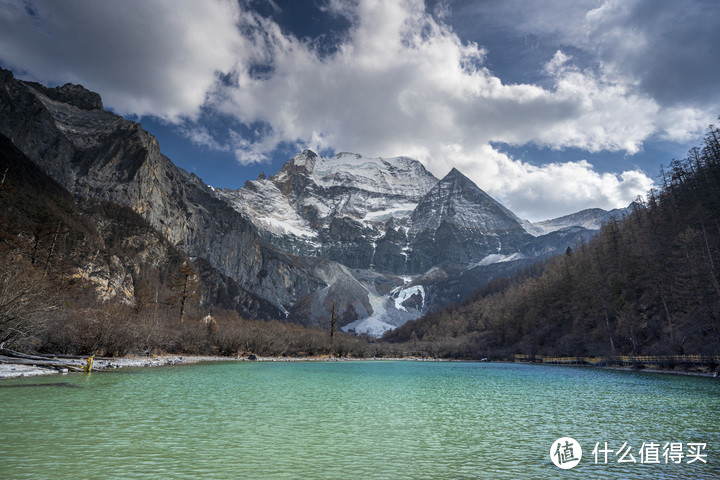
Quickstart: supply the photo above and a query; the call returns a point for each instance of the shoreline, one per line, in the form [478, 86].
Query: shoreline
[135, 361]
[132, 361]
[623, 369]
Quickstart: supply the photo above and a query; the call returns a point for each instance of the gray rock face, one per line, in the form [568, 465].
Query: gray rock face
[458, 222]
[103, 244]
[94, 153]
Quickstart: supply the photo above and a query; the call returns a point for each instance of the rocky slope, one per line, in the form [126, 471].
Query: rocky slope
[96, 154]
[100, 244]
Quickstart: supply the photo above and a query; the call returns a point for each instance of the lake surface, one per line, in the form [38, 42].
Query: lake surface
[350, 420]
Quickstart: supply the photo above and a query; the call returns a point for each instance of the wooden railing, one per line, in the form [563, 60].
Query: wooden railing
[623, 359]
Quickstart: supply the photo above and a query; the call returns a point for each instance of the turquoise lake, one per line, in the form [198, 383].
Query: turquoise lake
[351, 420]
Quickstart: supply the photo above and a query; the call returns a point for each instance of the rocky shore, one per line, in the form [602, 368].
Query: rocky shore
[104, 364]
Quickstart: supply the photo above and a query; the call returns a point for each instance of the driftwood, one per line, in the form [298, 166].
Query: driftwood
[40, 363]
[12, 357]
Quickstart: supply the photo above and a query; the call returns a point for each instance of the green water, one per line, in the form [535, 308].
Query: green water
[349, 420]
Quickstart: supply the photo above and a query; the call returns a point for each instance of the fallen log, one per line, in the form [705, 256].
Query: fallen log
[40, 363]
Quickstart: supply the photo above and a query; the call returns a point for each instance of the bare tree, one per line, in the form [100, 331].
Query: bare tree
[24, 294]
[333, 321]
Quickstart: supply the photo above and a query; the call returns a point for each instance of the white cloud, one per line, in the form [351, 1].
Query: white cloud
[540, 192]
[146, 58]
[401, 83]
[404, 84]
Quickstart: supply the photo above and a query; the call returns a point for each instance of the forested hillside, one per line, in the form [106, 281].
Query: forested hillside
[647, 284]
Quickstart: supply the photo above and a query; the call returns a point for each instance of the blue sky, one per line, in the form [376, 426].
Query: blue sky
[550, 106]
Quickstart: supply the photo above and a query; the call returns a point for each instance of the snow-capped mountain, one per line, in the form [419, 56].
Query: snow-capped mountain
[349, 208]
[381, 239]
[590, 218]
[393, 228]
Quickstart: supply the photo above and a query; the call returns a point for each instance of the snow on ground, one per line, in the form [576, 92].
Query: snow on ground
[498, 258]
[13, 371]
[401, 210]
[372, 325]
[406, 293]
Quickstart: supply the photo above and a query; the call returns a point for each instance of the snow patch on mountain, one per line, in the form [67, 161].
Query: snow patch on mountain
[591, 218]
[268, 208]
[406, 293]
[389, 310]
[397, 211]
[373, 325]
[498, 258]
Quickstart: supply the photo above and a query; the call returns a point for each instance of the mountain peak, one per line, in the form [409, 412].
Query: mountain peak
[308, 153]
[71, 94]
[459, 199]
[305, 158]
[454, 174]
[303, 162]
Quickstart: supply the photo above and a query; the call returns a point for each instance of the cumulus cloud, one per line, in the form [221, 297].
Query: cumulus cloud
[405, 84]
[667, 48]
[146, 58]
[401, 82]
[540, 192]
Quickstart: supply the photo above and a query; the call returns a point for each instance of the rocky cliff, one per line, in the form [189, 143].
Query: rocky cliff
[96, 154]
[102, 245]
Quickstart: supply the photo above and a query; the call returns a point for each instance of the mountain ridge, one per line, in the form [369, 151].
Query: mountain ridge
[371, 236]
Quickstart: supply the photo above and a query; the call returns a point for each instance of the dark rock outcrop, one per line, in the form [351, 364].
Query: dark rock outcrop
[458, 222]
[75, 95]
